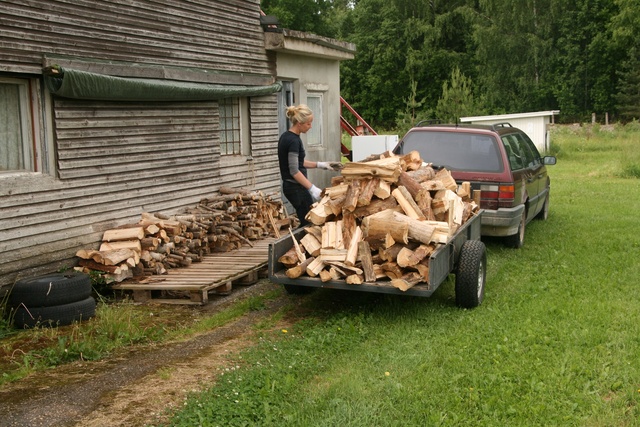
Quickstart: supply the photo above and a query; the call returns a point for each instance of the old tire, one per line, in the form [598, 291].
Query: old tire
[57, 315]
[51, 290]
[544, 213]
[297, 290]
[471, 274]
[517, 240]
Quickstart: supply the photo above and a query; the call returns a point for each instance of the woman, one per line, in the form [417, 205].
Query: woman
[296, 187]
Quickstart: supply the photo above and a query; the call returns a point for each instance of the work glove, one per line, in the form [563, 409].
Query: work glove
[330, 166]
[315, 193]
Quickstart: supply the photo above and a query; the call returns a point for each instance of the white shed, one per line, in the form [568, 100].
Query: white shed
[535, 124]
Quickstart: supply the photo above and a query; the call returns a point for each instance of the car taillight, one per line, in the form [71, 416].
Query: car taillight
[497, 196]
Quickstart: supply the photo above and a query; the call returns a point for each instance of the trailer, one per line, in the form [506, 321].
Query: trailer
[464, 254]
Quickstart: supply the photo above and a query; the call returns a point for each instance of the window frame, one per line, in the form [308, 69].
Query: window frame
[318, 121]
[241, 147]
[28, 161]
[37, 112]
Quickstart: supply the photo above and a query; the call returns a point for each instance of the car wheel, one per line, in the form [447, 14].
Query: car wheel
[51, 290]
[544, 213]
[57, 315]
[517, 240]
[297, 290]
[471, 274]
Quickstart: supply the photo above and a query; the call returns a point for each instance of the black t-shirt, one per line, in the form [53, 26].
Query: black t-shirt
[290, 143]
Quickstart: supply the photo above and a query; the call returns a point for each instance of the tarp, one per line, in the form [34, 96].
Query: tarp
[77, 84]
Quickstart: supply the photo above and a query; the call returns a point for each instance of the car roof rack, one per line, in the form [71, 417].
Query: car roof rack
[428, 122]
[501, 125]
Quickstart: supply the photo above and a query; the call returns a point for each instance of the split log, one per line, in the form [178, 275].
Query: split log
[352, 251]
[298, 270]
[366, 193]
[123, 234]
[376, 206]
[412, 160]
[408, 258]
[378, 225]
[406, 202]
[315, 267]
[311, 244]
[383, 190]
[318, 215]
[411, 184]
[406, 281]
[423, 174]
[333, 255]
[124, 244]
[290, 258]
[366, 261]
[92, 265]
[351, 198]
[386, 169]
[354, 279]
[444, 176]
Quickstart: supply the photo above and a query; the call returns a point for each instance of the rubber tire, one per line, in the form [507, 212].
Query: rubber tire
[544, 213]
[471, 274]
[57, 315]
[51, 290]
[297, 290]
[516, 241]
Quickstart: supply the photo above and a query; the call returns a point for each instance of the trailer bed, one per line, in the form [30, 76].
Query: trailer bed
[442, 262]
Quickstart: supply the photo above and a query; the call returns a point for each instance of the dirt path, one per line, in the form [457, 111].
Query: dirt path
[134, 389]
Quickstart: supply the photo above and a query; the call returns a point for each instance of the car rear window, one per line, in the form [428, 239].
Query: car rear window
[455, 150]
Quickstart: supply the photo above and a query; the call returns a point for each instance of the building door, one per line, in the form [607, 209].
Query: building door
[286, 98]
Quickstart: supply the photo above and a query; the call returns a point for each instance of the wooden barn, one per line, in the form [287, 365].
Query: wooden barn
[112, 108]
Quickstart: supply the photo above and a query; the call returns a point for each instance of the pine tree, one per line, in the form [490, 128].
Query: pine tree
[628, 97]
[457, 98]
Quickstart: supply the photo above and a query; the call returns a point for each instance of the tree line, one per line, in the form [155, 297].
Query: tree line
[445, 59]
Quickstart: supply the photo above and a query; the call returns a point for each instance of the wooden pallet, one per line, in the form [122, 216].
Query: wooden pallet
[217, 273]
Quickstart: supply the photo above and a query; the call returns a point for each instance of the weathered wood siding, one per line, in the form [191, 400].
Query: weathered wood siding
[116, 160]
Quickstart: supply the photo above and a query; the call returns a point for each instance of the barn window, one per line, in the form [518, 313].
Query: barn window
[16, 136]
[234, 127]
[314, 136]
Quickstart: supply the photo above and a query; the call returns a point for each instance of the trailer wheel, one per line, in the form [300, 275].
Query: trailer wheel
[471, 274]
[51, 290]
[297, 290]
[57, 315]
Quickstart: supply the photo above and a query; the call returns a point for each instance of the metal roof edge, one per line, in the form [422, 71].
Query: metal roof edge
[511, 116]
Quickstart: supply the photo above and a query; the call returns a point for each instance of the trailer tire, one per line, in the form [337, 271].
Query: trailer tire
[57, 315]
[51, 290]
[297, 290]
[471, 274]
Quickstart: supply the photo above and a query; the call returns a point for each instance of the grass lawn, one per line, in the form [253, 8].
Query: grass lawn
[555, 343]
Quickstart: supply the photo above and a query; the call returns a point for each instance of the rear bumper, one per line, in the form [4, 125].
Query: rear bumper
[501, 222]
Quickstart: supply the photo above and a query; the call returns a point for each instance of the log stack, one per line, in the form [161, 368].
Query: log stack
[159, 242]
[381, 219]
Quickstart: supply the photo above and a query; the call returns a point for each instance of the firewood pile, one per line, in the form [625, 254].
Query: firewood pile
[159, 242]
[381, 219]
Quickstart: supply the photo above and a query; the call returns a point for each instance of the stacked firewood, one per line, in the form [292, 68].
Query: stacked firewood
[159, 242]
[381, 219]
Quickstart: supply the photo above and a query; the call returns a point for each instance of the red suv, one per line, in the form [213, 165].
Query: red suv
[500, 160]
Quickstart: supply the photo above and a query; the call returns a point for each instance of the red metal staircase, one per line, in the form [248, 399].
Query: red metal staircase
[361, 127]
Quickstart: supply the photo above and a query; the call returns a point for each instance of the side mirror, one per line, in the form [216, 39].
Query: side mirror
[549, 160]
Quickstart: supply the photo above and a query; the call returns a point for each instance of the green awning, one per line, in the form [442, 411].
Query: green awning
[84, 85]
